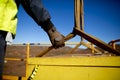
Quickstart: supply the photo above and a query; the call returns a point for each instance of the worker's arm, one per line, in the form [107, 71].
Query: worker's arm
[36, 10]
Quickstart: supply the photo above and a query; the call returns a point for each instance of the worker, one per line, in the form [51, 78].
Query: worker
[8, 22]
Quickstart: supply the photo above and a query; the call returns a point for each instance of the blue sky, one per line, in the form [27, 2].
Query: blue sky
[102, 20]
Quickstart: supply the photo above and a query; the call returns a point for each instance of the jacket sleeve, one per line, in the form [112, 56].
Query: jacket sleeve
[36, 10]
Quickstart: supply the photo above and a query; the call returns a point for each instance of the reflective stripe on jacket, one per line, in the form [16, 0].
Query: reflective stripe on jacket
[8, 19]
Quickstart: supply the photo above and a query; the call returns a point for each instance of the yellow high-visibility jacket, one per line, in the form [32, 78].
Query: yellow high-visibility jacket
[8, 19]
[9, 9]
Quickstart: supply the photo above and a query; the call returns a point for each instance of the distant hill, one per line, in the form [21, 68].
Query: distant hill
[19, 51]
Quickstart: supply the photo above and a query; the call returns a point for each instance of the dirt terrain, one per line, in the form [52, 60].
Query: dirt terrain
[19, 51]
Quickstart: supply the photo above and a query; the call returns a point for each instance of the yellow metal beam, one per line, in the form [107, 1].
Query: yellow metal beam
[77, 13]
[69, 36]
[15, 59]
[87, 45]
[76, 68]
[44, 51]
[77, 60]
[73, 68]
[77, 45]
[96, 41]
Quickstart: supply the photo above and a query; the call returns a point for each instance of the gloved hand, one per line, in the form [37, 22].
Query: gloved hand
[55, 37]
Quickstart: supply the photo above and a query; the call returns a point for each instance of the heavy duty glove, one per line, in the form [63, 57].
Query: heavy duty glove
[55, 37]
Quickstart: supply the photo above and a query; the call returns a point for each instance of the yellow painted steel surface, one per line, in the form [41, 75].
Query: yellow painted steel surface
[7, 77]
[76, 68]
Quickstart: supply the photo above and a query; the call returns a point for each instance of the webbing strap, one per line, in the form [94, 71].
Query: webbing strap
[34, 72]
